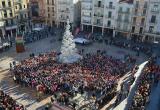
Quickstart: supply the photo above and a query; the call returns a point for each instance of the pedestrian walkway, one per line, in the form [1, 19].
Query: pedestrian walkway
[127, 102]
[154, 98]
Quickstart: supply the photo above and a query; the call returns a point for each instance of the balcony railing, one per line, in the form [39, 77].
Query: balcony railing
[101, 6]
[123, 12]
[98, 15]
[98, 24]
[87, 8]
[155, 11]
[110, 7]
[151, 22]
[86, 21]
[109, 17]
[86, 15]
[152, 32]
[88, 1]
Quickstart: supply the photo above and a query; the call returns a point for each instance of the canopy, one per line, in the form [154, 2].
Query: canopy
[37, 29]
[81, 40]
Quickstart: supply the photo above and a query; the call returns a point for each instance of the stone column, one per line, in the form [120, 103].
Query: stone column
[143, 38]
[11, 33]
[102, 31]
[82, 27]
[92, 28]
[114, 33]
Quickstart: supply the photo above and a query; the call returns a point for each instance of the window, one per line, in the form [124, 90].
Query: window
[99, 3]
[6, 22]
[120, 9]
[48, 9]
[141, 30]
[3, 4]
[128, 10]
[134, 20]
[145, 4]
[52, 2]
[109, 14]
[144, 12]
[151, 28]
[24, 6]
[153, 19]
[108, 23]
[133, 29]
[47, 2]
[10, 13]
[48, 15]
[5, 13]
[119, 17]
[110, 4]
[12, 23]
[142, 21]
[9, 4]
[137, 4]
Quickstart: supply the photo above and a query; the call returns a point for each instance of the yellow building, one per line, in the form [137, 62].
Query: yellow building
[13, 16]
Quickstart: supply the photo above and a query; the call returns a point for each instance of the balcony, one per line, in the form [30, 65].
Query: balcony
[63, 3]
[86, 8]
[109, 17]
[64, 11]
[152, 33]
[22, 21]
[86, 22]
[152, 22]
[98, 15]
[155, 11]
[110, 7]
[123, 12]
[98, 24]
[101, 6]
[87, 1]
[84, 15]
[126, 21]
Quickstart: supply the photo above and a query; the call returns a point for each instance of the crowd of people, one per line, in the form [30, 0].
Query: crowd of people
[7, 103]
[96, 74]
[150, 75]
[36, 35]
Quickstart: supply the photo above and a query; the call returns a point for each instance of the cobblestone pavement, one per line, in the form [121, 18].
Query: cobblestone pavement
[27, 96]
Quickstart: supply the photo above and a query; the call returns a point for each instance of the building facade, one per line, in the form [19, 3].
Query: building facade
[139, 16]
[37, 12]
[58, 11]
[99, 15]
[152, 29]
[13, 17]
[124, 18]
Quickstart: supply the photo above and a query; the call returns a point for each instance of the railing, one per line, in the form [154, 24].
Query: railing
[89, 1]
[110, 17]
[98, 24]
[85, 21]
[86, 8]
[123, 12]
[86, 15]
[97, 15]
[110, 7]
[155, 11]
[101, 6]
[152, 32]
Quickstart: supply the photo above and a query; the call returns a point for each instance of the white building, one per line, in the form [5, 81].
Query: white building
[124, 18]
[99, 15]
[58, 11]
[152, 30]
